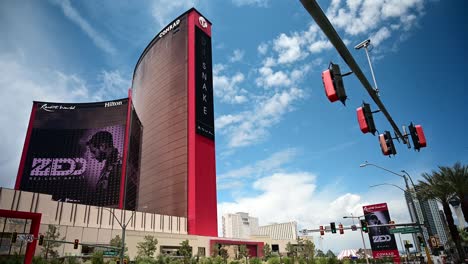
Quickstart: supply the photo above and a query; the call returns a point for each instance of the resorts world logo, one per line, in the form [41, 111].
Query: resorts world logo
[52, 108]
[202, 22]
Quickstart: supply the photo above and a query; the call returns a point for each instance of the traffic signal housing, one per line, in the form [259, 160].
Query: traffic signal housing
[41, 240]
[386, 144]
[333, 227]
[417, 135]
[14, 236]
[333, 83]
[364, 226]
[365, 119]
[340, 227]
[75, 244]
[322, 231]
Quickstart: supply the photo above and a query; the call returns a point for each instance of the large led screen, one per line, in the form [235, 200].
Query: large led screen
[75, 152]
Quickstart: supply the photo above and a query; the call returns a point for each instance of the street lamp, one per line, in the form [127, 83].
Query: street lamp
[405, 176]
[123, 225]
[362, 235]
[365, 44]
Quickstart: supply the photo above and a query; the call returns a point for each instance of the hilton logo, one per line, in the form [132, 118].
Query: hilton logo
[110, 104]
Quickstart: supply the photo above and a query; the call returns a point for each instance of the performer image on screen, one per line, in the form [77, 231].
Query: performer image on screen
[101, 147]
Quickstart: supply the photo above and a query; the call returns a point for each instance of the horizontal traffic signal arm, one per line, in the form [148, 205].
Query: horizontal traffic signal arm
[322, 21]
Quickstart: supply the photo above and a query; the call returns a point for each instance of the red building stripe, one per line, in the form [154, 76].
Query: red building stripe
[25, 147]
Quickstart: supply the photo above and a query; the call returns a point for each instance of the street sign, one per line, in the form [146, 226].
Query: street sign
[110, 253]
[404, 230]
[26, 237]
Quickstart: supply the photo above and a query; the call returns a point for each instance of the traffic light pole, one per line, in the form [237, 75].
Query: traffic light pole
[322, 21]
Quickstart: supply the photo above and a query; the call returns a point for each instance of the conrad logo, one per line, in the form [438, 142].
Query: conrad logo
[169, 28]
[202, 22]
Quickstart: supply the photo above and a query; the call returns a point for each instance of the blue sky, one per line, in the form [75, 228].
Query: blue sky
[284, 152]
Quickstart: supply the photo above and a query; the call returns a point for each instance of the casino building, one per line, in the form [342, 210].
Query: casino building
[148, 159]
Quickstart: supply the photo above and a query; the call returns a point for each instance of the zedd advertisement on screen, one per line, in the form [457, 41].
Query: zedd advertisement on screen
[75, 152]
[383, 243]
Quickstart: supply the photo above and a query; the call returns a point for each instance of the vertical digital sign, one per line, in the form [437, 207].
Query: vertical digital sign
[383, 243]
[204, 85]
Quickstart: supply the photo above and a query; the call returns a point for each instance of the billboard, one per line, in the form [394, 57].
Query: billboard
[383, 243]
[75, 152]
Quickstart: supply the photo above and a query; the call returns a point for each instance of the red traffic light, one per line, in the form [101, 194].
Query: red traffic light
[417, 135]
[386, 144]
[75, 244]
[365, 119]
[333, 83]
[340, 227]
[322, 231]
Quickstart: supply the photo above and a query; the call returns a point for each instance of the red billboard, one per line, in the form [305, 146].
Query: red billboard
[383, 243]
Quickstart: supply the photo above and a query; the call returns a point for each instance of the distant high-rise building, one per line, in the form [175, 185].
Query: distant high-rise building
[279, 231]
[239, 225]
[428, 213]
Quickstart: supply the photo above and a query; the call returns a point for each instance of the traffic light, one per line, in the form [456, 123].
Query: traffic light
[386, 144]
[417, 135]
[333, 83]
[340, 227]
[14, 236]
[421, 240]
[41, 240]
[322, 231]
[75, 244]
[333, 227]
[365, 119]
[364, 226]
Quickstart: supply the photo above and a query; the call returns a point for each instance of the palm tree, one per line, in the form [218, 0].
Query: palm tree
[457, 178]
[436, 187]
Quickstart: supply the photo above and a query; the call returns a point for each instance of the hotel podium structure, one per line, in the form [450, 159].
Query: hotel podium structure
[173, 96]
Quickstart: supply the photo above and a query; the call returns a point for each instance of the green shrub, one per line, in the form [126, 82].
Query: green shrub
[97, 258]
[72, 260]
[39, 260]
[255, 261]
[286, 260]
[274, 260]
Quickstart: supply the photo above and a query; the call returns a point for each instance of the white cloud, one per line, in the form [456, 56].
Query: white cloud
[112, 84]
[259, 3]
[164, 11]
[72, 14]
[237, 55]
[381, 35]
[360, 17]
[271, 164]
[319, 46]
[227, 87]
[226, 120]
[289, 48]
[268, 112]
[269, 78]
[262, 48]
